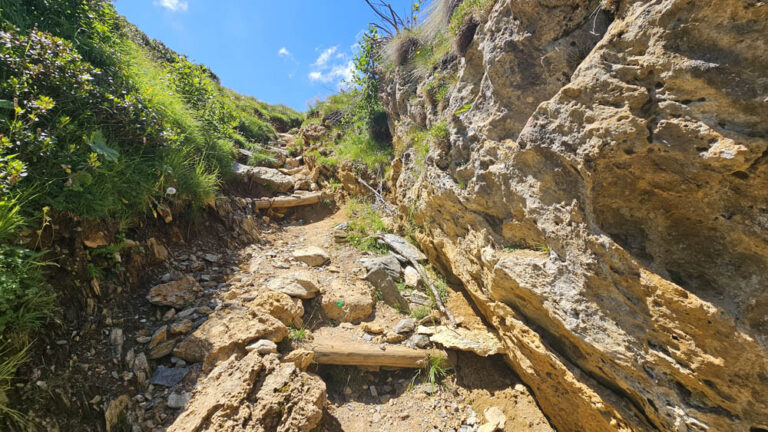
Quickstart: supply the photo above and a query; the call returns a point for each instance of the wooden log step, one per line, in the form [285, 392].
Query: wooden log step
[288, 201]
[367, 355]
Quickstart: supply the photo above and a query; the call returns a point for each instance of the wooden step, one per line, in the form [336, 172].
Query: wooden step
[368, 355]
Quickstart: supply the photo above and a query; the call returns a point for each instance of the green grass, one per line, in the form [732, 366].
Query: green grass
[353, 139]
[363, 224]
[431, 53]
[357, 146]
[433, 374]
[420, 312]
[298, 334]
[97, 121]
[465, 9]
[10, 360]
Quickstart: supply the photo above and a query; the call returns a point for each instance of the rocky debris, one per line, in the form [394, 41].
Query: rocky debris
[212, 258]
[254, 393]
[340, 232]
[406, 325]
[313, 132]
[159, 336]
[372, 328]
[95, 240]
[479, 341]
[178, 400]
[347, 301]
[494, 420]
[419, 341]
[228, 331]
[403, 248]
[389, 263]
[300, 357]
[313, 256]
[418, 298]
[393, 338]
[159, 252]
[263, 347]
[270, 178]
[175, 294]
[168, 377]
[140, 367]
[302, 287]
[115, 411]
[162, 350]
[181, 327]
[381, 280]
[411, 277]
[288, 310]
[116, 339]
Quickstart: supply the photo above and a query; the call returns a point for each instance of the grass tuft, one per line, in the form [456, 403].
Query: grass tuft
[363, 225]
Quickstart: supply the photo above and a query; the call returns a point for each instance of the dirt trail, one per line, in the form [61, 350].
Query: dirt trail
[387, 400]
[223, 341]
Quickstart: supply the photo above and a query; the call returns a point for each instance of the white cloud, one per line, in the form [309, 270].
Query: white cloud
[284, 52]
[173, 5]
[316, 76]
[322, 60]
[340, 73]
[333, 66]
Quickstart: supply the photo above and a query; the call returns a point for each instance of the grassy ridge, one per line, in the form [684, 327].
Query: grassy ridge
[99, 121]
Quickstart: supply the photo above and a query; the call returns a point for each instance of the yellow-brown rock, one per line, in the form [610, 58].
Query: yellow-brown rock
[603, 200]
[254, 393]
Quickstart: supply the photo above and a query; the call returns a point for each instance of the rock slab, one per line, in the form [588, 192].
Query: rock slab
[176, 294]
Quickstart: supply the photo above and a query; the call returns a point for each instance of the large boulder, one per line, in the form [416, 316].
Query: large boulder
[254, 393]
[300, 286]
[281, 306]
[388, 262]
[226, 332]
[347, 301]
[270, 178]
[312, 256]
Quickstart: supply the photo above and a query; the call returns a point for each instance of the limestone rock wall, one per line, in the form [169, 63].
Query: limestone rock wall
[603, 197]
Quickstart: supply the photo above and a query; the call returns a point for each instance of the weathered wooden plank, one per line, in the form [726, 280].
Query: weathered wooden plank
[367, 355]
[288, 201]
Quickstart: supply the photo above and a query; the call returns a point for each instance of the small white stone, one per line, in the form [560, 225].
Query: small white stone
[263, 346]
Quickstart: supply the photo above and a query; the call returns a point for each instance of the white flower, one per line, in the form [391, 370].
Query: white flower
[170, 191]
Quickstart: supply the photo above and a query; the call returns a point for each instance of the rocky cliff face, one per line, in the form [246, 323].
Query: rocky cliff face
[603, 198]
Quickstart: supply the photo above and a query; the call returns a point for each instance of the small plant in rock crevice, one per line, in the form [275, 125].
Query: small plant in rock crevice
[298, 334]
[433, 374]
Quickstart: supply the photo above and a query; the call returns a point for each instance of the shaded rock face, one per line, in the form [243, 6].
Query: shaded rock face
[604, 203]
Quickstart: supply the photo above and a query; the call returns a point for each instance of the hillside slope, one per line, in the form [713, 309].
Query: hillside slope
[100, 125]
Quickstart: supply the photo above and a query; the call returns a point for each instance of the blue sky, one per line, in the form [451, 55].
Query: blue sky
[284, 51]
